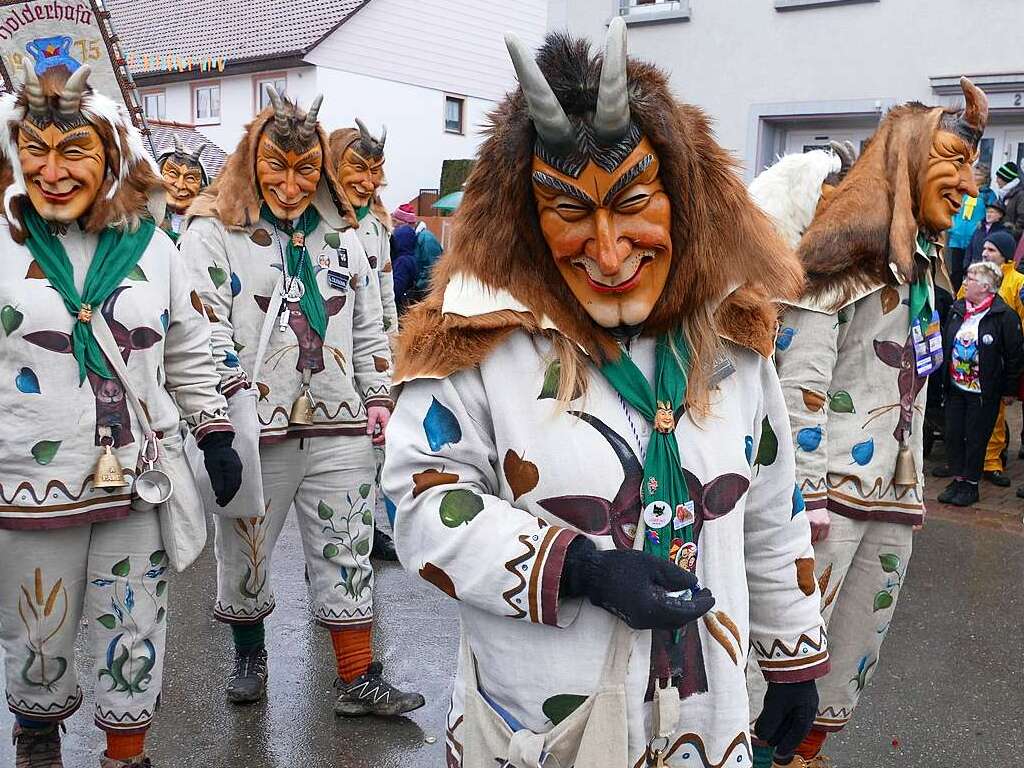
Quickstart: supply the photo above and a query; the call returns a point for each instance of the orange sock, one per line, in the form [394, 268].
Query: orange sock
[353, 650]
[124, 746]
[811, 745]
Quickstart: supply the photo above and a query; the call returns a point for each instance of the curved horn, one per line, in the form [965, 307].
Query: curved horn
[37, 102]
[314, 109]
[611, 119]
[368, 137]
[277, 100]
[548, 117]
[198, 152]
[383, 135]
[179, 148]
[846, 153]
[70, 103]
[975, 114]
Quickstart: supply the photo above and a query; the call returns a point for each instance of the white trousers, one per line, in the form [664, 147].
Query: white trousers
[330, 482]
[117, 573]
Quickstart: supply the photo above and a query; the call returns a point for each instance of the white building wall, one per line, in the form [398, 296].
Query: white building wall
[743, 58]
[446, 45]
[417, 143]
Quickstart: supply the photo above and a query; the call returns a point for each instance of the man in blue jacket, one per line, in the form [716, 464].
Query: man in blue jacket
[971, 213]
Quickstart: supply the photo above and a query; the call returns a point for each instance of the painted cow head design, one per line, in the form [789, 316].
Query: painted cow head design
[111, 405]
[909, 383]
[311, 346]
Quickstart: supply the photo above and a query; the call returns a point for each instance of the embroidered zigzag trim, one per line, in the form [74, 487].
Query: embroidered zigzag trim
[125, 720]
[32, 709]
[319, 408]
[783, 650]
[230, 613]
[512, 566]
[695, 742]
[59, 486]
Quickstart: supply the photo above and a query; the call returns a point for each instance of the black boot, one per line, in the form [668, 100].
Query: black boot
[949, 492]
[942, 470]
[383, 547]
[967, 495]
[997, 478]
[248, 683]
[371, 694]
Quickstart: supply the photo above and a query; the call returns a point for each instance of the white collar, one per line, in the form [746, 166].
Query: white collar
[468, 296]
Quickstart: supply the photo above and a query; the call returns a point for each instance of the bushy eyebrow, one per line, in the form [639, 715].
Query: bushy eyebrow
[627, 178]
[32, 135]
[562, 187]
[72, 137]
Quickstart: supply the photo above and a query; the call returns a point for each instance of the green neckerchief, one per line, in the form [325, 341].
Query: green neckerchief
[663, 470]
[117, 253]
[362, 211]
[920, 303]
[312, 301]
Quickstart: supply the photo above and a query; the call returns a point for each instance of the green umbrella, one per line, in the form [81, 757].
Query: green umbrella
[449, 202]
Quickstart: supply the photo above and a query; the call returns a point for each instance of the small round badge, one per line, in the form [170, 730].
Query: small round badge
[657, 514]
[987, 339]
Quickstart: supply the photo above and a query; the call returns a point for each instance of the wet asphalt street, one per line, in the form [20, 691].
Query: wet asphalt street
[949, 691]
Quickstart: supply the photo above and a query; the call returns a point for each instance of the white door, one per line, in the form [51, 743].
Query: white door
[1013, 148]
[804, 140]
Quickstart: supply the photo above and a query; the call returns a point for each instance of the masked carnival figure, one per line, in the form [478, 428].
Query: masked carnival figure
[590, 428]
[853, 355]
[295, 311]
[358, 156]
[90, 287]
[184, 177]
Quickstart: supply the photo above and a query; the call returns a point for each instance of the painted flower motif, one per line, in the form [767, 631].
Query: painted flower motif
[652, 484]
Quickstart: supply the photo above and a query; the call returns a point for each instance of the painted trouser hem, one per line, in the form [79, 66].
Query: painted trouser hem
[343, 625]
[129, 725]
[232, 618]
[62, 712]
[830, 725]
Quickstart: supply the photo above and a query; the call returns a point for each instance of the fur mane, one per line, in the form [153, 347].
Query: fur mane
[789, 191]
[871, 220]
[728, 263]
[234, 196]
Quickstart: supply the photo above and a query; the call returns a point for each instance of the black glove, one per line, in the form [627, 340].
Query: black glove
[632, 585]
[222, 464]
[788, 714]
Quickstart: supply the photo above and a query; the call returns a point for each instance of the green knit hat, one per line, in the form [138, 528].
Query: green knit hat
[1008, 171]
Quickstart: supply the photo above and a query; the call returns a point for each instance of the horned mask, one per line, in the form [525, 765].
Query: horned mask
[360, 158]
[289, 158]
[183, 174]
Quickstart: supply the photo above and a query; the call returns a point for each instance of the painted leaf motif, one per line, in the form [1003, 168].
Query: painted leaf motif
[364, 490]
[363, 547]
[883, 600]
[768, 447]
[890, 299]
[161, 588]
[441, 426]
[380, 364]
[160, 614]
[785, 338]
[805, 575]
[137, 274]
[197, 303]
[429, 478]
[549, 389]
[813, 401]
[165, 319]
[459, 506]
[26, 381]
[434, 575]
[35, 272]
[890, 562]
[122, 567]
[841, 402]
[522, 475]
[231, 360]
[330, 551]
[107, 620]
[799, 505]
[44, 451]
[748, 448]
[261, 237]
[129, 597]
[11, 319]
[559, 707]
[263, 389]
[332, 239]
[863, 452]
[158, 557]
[367, 517]
[324, 511]
[809, 438]
[391, 510]
[217, 275]
[236, 284]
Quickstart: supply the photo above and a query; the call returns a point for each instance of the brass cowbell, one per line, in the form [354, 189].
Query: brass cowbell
[906, 471]
[302, 409]
[108, 472]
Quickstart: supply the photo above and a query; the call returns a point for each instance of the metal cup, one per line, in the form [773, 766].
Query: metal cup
[152, 488]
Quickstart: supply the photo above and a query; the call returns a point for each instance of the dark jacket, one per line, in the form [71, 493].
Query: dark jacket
[973, 253]
[1014, 218]
[1001, 348]
[404, 266]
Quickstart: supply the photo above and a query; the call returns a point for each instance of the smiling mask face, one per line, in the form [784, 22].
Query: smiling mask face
[947, 178]
[184, 183]
[64, 169]
[287, 179]
[359, 176]
[609, 233]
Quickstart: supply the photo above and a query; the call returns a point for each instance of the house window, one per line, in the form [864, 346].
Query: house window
[154, 105]
[454, 108]
[206, 104]
[793, 5]
[654, 11]
[276, 81]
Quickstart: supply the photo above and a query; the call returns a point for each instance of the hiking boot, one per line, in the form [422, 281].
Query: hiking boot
[967, 495]
[139, 761]
[383, 547]
[943, 470]
[371, 694]
[949, 492]
[997, 477]
[248, 683]
[37, 747]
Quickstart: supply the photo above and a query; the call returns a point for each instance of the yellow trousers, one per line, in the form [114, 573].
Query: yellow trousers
[997, 443]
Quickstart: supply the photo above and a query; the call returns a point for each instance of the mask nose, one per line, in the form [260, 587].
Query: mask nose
[606, 248]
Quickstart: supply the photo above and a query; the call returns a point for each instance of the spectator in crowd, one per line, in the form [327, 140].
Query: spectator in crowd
[993, 222]
[1009, 191]
[428, 251]
[403, 262]
[966, 220]
[983, 345]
